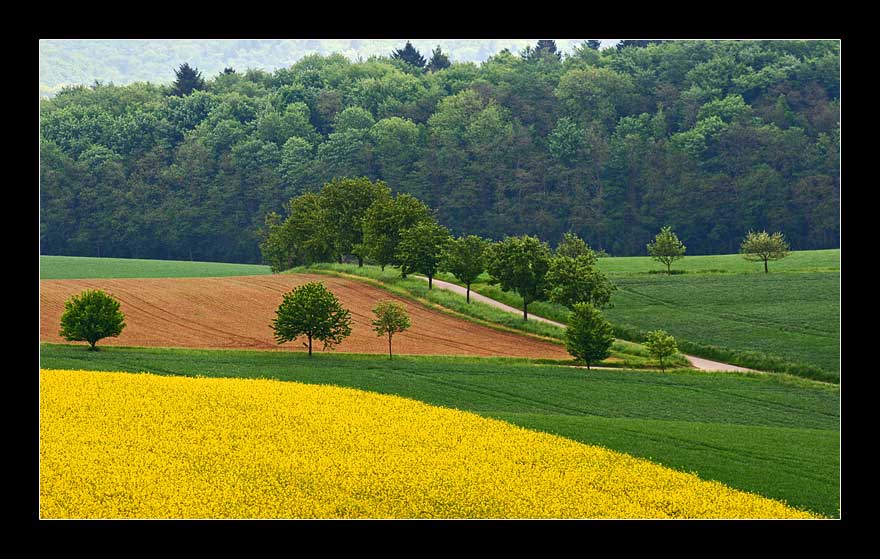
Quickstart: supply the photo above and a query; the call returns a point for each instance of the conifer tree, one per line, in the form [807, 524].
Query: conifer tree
[410, 55]
[438, 60]
[188, 80]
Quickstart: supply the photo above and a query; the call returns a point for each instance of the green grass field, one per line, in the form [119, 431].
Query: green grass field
[774, 435]
[76, 267]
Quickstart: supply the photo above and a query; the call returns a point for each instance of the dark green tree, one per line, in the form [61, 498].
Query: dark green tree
[666, 248]
[345, 203]
[383, 222]
[465, 258]
[520, 264]
[188, 80]
[410, 55]
[594, 44]
[438, 60]
[421, 249]
[313, 311]
[589, 335]
[391, 318]
[303, 237]
[91, 316]
[761, 247]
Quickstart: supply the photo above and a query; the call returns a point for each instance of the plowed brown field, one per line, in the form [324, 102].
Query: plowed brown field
[236, 313]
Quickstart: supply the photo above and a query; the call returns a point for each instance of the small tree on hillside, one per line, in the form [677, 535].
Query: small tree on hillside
[391, 318]
[661, 345]
[666, 248]
[757, 247]
[465, 258]
[421, 249]
[589, 335]
[311, 310]
[91, 316]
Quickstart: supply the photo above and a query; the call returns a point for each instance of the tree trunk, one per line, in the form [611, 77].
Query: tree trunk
[765, 267]
[92, 346]
[525, 310]
[360, 261]
[389, 346]
[430, 283]
[310, 346]
[468, 293]
[669, 268]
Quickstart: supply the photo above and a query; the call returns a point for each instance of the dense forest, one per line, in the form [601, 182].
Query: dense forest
[713, 138]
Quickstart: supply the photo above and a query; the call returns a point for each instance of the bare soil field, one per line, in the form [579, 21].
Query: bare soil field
[237, 312]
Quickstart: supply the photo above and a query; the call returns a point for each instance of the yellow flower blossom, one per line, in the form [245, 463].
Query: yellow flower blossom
[122, 445]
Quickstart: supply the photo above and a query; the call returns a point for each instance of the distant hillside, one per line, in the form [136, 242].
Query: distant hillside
[125, 61]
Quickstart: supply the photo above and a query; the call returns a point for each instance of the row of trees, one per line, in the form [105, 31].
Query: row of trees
[712, 137]
[756, 247]
[314, 312]
[358, 218]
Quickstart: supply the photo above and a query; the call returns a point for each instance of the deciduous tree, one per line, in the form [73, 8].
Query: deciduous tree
[761, 247]
[345, 202]
[383, 222]
[91, 316]
[661, 345]
[589, 334]
[578, 280]
[391, 318]
[465, 258]
[666, 248]
[520, 264]
[313, 311]
[421, 248]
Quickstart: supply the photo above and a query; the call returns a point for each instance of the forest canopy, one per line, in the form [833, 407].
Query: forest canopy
[713, 138]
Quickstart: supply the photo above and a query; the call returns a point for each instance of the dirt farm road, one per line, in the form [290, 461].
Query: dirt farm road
[697, 362]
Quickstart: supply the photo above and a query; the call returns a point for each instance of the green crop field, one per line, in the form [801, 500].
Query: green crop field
[775, 435]
[725, 308]
[77, 267]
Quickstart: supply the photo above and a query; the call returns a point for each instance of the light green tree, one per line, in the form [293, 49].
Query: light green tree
[589, 335]
[666, 248]
[391, 318]
[91, 316]
[758, 247]
[313, 311]
[661, 345]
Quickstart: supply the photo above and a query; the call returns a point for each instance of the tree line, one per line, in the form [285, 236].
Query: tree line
[710, 137]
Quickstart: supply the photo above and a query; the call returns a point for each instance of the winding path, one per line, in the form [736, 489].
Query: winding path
[696, 362]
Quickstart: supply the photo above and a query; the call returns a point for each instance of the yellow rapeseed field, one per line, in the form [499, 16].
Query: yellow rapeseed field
[122, 445]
